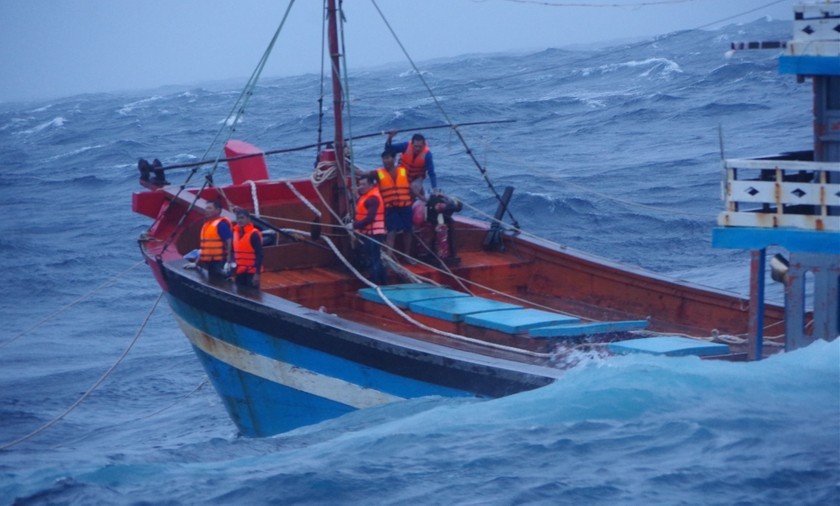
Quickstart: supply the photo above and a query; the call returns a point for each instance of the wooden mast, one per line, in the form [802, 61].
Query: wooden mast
[338, 108]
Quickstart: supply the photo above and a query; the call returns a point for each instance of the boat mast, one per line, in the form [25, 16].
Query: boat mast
[338, 106]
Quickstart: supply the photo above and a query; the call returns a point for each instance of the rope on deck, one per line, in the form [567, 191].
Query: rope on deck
[411, 320]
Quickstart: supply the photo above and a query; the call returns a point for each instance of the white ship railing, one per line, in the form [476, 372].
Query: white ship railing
[783, 191]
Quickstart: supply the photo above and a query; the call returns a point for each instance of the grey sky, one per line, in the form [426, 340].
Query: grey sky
[54, 48]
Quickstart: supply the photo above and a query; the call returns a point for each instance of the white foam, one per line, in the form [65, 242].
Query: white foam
[128, 108]
[76, 152]
[56, 122]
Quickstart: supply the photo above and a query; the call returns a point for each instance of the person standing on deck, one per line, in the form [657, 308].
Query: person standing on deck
[216, 247]
[370, 223]
[417, 158]
[395, 190]
[247, 249]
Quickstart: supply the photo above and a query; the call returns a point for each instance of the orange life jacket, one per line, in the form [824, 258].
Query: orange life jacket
[378, 225]
[415, 162]
[394, 193]
[212, 246]
[243, 251]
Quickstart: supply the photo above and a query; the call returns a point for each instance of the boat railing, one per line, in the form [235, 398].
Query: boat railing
[789, 190]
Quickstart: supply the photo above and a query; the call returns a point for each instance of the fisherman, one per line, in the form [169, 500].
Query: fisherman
[423, 231]
[216, 247]
[417, 158]
[370, 223]
[396, 193]
[248, 251]
[439, 211]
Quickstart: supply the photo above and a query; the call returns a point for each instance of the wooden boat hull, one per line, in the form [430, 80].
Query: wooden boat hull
[306, 348]
[278, 366]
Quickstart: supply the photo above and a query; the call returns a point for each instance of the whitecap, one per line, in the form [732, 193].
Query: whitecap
[667, 66]
[128, 108]
[412, 72]
[15, 122]
[76, 152]
[229, 120]
[58, 121]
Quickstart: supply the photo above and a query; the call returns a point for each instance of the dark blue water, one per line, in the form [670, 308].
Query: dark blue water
[615, 151]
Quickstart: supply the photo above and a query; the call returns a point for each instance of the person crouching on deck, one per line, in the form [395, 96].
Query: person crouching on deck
[396, 193]
[248, 251]
[216, 247]
[370, 223]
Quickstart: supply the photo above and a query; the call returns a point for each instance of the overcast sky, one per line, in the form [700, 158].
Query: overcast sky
[55, 48]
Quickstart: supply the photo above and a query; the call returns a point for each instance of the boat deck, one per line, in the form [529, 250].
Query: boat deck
[489, 276]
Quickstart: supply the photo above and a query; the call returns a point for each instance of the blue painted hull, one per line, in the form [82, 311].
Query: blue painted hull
[278, 366]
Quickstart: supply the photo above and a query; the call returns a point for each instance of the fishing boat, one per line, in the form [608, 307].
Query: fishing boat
[504, 312]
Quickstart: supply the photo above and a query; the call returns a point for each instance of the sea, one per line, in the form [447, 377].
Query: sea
[615, 150]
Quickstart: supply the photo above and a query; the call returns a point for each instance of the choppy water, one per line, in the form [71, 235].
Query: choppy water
[615, 151]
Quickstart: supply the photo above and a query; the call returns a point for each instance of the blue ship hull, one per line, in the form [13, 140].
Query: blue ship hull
[278, 366]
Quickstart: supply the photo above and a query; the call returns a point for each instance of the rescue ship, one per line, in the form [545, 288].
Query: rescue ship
[504, 312]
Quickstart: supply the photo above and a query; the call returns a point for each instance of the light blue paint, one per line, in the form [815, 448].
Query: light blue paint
[810, 65]
[403, 295]
[669, 345]
[279, 349]
[454, 309]
[586, 329]
[260, 407]
[517, 320]
[754, 238]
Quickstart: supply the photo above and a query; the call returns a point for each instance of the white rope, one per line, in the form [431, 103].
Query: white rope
[304, 199]
[91, 389]
[411, 276]
[408, 318]
[323, 171]
[68, 306]
[414, 277]
[254, 197]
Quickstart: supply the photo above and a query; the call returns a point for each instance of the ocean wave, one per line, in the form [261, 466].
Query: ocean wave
[665, 67]
[56, 122]
[413, 73]
[129, 108]
[75, 152]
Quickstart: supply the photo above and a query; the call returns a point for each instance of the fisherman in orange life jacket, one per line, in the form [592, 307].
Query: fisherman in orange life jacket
[417, 158]
[396, 192]
[247, 249]
[216, 249]
[370, 223]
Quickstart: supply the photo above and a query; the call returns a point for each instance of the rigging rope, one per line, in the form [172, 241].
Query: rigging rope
[321, 95]
[92, 388]
[254, 198]
[411, 320]
[236, 112]
[346, 93]
[464, 281]
[178, 401]
[445, 115]
[68, 306]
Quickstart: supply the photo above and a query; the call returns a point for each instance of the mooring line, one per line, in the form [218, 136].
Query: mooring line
[68, 306]
[92, 388]
[154, 413]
